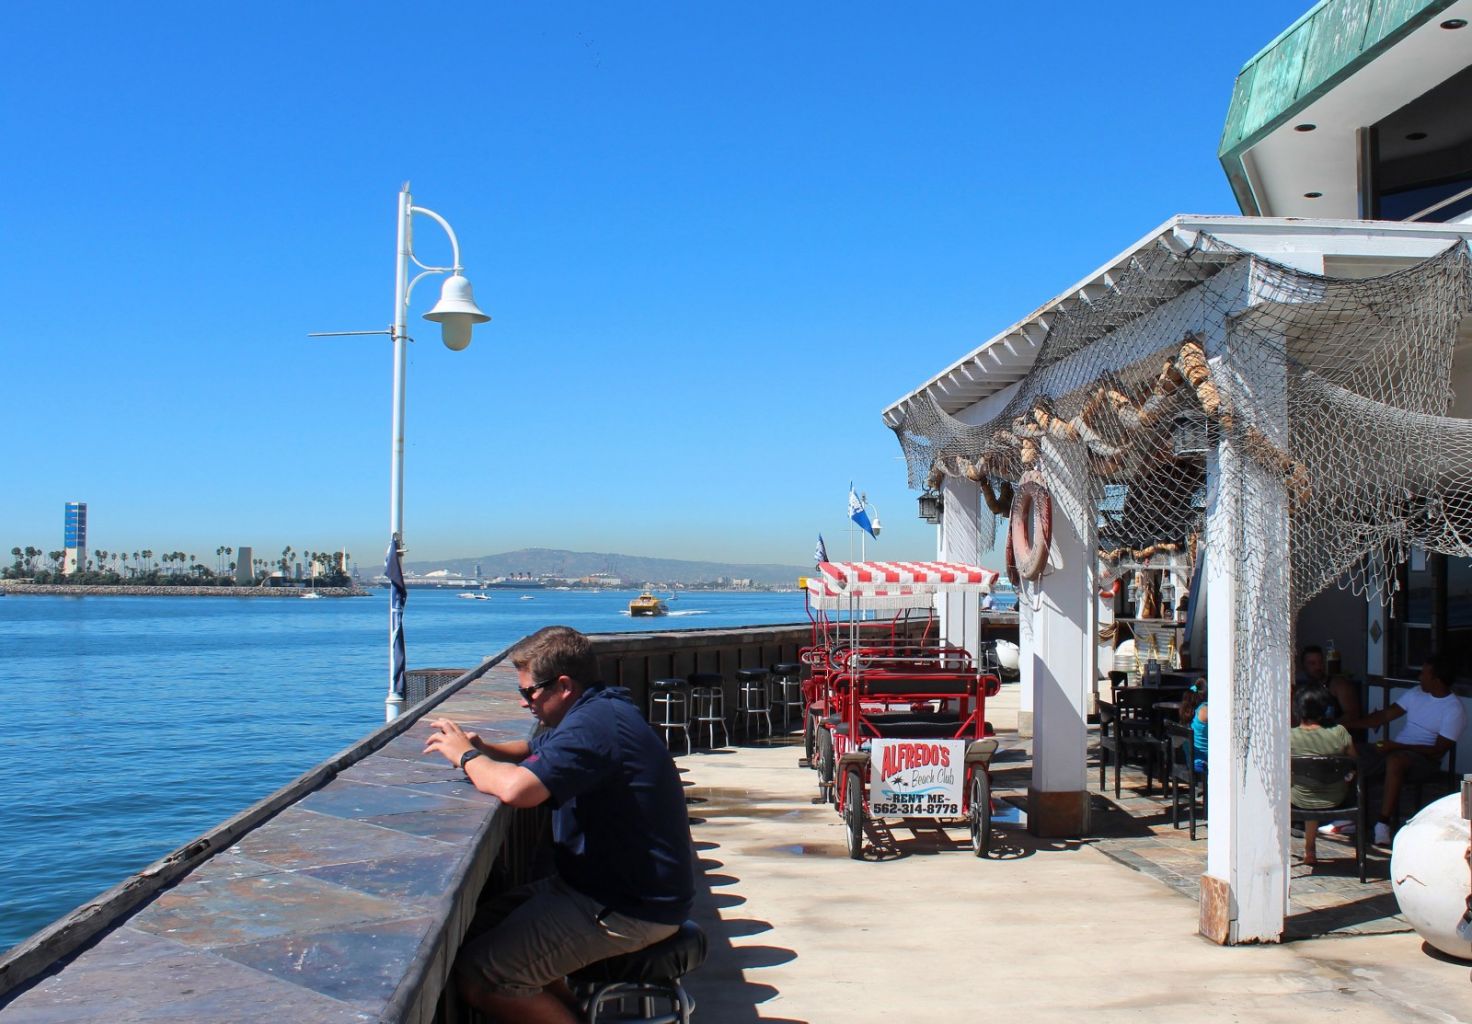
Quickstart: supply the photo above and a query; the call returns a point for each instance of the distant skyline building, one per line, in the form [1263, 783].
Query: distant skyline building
[75, 545]
[244, 565]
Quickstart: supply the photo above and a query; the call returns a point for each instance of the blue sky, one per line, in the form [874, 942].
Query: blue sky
[716, 240]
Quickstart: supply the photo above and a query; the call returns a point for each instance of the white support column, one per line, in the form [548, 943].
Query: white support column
[1026, 646]
[1377, 630]
[1063, 657]
[1244, 893]
[959, 540]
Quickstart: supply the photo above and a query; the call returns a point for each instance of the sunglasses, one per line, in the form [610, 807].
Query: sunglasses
[528, 692]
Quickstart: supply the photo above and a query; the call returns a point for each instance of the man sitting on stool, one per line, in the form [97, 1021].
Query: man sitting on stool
[625, 875]
[1435, 720]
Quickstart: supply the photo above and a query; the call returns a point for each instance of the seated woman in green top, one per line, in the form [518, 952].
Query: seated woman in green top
[1310, 705]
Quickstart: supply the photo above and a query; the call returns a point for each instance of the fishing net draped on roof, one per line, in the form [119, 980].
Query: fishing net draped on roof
[1338, 387]
[893, 585]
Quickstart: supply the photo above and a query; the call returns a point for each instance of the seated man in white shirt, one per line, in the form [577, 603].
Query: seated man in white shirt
[1435, 720]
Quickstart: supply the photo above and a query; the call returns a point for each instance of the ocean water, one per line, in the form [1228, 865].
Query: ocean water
[131, 725]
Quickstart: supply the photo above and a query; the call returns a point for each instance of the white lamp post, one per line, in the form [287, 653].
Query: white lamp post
[456, 313]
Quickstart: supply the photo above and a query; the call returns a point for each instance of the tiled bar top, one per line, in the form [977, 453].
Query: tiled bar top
[346, 905]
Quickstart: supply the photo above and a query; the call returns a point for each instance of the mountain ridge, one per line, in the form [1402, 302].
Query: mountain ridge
[629, 568]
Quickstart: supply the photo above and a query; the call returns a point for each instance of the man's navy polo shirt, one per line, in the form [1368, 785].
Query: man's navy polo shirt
[619, 821]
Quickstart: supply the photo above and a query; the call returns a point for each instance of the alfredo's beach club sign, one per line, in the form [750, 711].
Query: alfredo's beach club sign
[916, 778]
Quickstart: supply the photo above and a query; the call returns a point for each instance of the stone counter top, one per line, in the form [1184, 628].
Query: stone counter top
[345, 904]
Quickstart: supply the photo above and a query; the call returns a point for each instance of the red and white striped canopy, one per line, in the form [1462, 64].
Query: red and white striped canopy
[822, 596]
[850, 578]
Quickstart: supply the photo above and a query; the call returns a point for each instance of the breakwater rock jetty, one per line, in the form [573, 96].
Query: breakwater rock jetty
[124, 590]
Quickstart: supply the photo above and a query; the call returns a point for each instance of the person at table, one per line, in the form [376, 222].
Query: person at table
[625, 872]
[1312, 736]
[1434, 721]
[1193, 713]
[1313, 671]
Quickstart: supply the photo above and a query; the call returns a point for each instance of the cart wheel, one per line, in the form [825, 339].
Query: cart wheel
[853, 815]
[981, 813]
[825, 764]
[809, 739]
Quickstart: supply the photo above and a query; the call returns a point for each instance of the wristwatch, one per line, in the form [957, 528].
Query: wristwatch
[468, 756]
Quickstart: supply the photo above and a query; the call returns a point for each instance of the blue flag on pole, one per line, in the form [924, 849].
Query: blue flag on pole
[858, 513]
[397, 595]
[821, 554]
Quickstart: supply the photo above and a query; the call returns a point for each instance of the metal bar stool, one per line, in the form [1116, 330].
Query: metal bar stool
[751, 699]
[669, 709]
[708, 706]
[786, 691]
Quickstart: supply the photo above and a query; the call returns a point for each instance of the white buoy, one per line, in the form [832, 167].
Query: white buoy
[1431, 877]
[1124, 657]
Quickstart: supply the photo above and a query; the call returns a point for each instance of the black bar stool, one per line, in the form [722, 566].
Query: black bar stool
[648, 978]
[786, 691]
[669, 708]
[708, 706]
[751, 699]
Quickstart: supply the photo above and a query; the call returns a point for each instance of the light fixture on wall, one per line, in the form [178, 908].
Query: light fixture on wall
[1188, 435]
[931, 506]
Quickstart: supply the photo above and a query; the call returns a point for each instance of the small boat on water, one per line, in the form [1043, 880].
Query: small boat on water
[310, 595]
[647, 604]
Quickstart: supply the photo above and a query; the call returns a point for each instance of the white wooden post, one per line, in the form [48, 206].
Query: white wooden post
[1062, 657]
[959, 540]
[1244, 893]
[1377, 629]
[1026, 647]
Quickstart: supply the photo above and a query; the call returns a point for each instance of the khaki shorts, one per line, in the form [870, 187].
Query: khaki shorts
[542, 932]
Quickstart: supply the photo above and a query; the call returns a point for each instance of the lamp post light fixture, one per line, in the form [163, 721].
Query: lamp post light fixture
[456, 313]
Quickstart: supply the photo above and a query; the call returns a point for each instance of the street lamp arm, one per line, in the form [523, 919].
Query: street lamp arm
[454, 242]
[426, 272]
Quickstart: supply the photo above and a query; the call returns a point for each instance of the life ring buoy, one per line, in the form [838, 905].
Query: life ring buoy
[1012, 576]
[1031, 531]
[1111, 591]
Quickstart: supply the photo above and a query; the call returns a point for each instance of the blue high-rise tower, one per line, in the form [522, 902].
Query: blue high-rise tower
[76, 538]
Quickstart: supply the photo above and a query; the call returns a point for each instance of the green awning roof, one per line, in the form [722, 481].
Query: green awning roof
[1321, 49]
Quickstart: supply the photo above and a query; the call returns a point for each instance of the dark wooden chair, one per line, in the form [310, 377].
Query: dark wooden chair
[1181, 773]
[1126, 735]
[1319, 769]
[1441, 782]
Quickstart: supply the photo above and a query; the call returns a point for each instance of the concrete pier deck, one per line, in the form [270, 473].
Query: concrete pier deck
[1045, 930]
